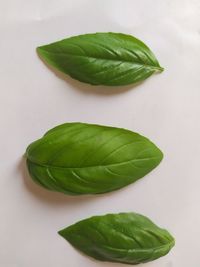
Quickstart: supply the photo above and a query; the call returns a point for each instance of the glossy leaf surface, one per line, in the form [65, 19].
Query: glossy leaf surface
[102, 58]
[79, 158]
[126, 237]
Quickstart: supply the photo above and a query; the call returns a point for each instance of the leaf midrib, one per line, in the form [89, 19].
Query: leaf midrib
[158, 68]
[141, 250]
[87, 167]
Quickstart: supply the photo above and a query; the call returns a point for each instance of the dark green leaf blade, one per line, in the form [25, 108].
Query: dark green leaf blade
[125, 237]
[111, 59]
[80, 158]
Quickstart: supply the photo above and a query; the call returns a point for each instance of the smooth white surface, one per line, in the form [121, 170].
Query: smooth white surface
[164, 108]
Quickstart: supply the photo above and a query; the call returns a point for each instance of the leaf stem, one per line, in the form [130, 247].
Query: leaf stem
[161, 69]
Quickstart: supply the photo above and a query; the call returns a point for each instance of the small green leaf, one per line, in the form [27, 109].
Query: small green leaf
[102, 58]
[79, 158]
[125, 237]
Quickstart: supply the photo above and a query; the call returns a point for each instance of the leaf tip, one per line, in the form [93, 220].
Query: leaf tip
[61, 232]
[39, 49]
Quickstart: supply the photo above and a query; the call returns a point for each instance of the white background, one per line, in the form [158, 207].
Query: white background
[164, 108]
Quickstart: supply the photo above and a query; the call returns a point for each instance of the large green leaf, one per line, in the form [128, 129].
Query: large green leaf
[126, 237]
[102, 58]
[78, 158]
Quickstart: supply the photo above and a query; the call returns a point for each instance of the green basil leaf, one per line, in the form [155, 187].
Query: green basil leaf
[79, 158]
[125, 237]
[102, 58]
